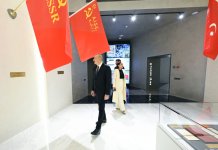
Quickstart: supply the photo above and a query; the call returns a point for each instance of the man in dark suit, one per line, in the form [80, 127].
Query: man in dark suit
[101, 89]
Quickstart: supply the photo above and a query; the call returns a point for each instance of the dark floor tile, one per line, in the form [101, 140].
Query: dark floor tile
[138, 99]
[90, 100]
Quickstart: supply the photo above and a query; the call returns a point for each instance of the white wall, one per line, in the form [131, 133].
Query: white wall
[20, 98]
[59, 89]
[182, 39]
[23, 100]
[211, 82]
[139, 4]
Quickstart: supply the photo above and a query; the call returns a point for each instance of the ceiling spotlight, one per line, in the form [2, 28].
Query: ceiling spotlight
[114, 19]
[120, 38]
[157, 17]
[133, 18]
[126, 26]
[181, 16]
[194, 13]
[121, 35]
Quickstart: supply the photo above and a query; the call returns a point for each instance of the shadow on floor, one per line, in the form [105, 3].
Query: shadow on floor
[65, 143]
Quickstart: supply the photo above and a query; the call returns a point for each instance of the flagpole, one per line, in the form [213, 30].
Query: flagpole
[19, 5]
[12, 12]
[82, 8]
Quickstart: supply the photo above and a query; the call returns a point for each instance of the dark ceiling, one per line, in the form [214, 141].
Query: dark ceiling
[145, 21]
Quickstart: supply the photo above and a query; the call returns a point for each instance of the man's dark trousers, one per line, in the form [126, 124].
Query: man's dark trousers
[101, 114]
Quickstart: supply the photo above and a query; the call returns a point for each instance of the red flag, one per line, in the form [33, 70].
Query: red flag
[89, 32]
[50, 21]
[211, 35]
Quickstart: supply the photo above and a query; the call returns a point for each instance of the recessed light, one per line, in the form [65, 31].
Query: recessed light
[126, 26]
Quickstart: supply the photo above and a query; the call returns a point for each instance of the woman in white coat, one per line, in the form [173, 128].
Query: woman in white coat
[119, 88]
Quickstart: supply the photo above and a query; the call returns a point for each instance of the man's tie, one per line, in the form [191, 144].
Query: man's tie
[97, 69]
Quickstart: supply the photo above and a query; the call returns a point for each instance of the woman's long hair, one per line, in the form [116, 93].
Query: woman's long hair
[118, 65]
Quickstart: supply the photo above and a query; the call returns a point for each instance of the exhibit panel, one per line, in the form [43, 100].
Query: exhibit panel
[190, 126]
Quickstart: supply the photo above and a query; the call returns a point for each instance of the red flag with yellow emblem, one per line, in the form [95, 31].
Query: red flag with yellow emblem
[88, 31]
[50, 22]
[211, 34]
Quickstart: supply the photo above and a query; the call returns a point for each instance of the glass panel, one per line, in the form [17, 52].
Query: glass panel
[191, 125]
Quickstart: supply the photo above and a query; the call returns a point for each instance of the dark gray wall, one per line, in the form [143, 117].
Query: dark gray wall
[91, 65]
[184, 40]
[164, 69]
[79, 76]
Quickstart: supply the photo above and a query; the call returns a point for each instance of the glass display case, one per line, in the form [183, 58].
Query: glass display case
[188, 126]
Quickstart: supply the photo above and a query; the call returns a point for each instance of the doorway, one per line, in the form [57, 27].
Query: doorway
[158, 73]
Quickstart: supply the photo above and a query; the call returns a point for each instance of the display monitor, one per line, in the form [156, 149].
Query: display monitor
[122, 52]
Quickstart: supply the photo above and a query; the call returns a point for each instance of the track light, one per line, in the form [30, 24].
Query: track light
[157, 17]
[133, 18]
[114, 19]
[194, 13]
[181, 16]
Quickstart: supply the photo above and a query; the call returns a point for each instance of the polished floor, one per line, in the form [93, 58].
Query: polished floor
[70, 129]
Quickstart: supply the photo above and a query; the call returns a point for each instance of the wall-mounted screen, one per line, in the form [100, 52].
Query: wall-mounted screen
[122, 52]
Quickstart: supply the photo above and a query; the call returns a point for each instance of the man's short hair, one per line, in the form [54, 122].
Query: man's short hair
[118, 60]
[99, 56]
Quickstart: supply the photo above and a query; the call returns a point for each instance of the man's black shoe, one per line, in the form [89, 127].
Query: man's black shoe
[96, 132]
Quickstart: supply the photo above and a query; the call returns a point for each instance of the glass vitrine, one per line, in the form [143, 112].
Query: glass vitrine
[189, 125]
